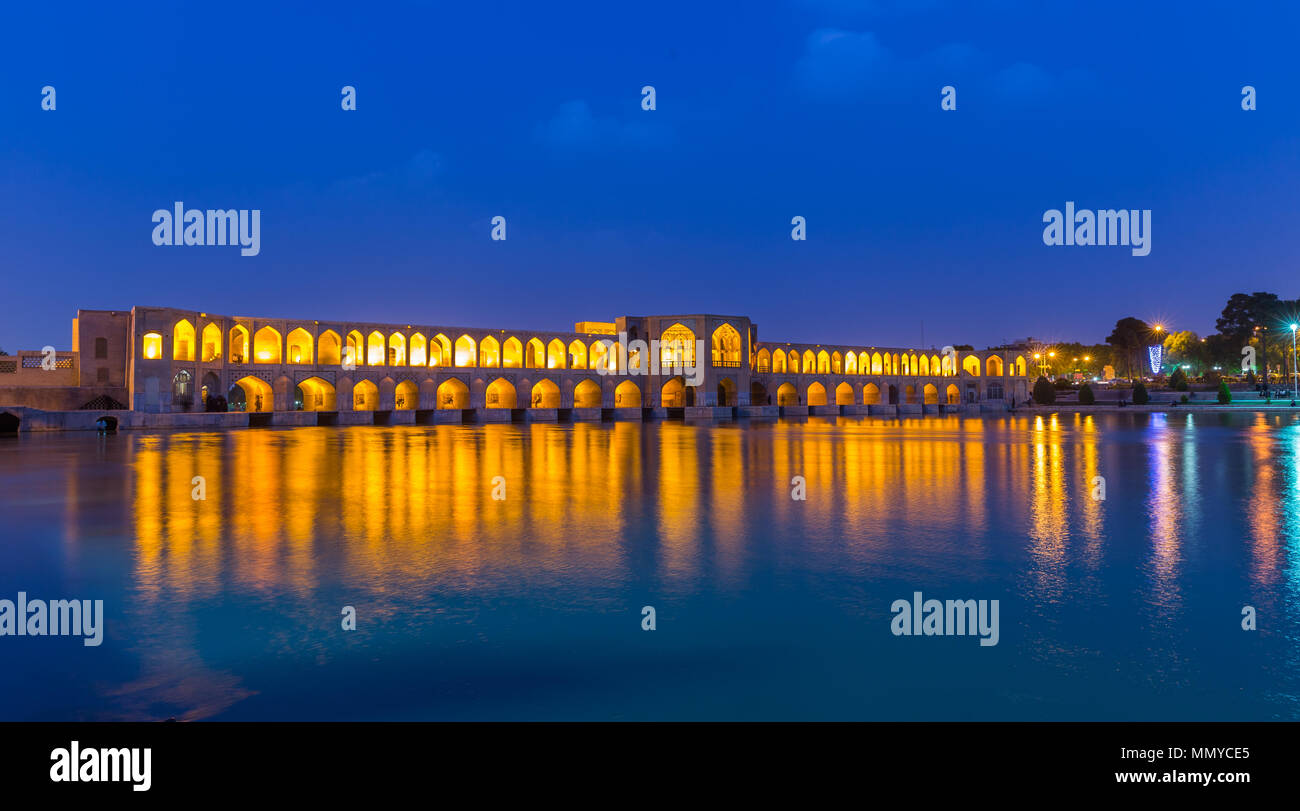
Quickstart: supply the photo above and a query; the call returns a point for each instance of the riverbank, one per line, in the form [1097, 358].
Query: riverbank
[38, 420]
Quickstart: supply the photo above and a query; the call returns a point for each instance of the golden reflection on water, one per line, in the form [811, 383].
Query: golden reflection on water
[395, 514]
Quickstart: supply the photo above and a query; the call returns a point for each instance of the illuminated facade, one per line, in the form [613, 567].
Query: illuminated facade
[177, 360]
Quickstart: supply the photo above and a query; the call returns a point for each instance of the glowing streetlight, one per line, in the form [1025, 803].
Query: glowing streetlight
[1295, 374]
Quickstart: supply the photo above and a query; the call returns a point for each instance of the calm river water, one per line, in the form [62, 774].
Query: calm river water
[766, 607]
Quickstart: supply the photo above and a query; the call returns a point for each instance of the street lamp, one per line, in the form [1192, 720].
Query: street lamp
[1295, 373]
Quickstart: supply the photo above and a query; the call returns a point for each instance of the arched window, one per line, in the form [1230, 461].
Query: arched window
[375, 349]
[183, 388]
[211, 343]
[183, 340]
[152, 346]
[299, 343]
[677, 347]
[266, 345]
[727, 348]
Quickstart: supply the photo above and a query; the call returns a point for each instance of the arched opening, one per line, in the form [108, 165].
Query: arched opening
[877, 366]
[151, 346]
[778, 362]
[577, 354]
[837, 364]
[183, 340]
[850, 364]
[489, 353]
[889, 364]
[809, 364]
[183, 389]
[501, 394]
[727, 347]
[763, 361]
[453, 394]
[971, 365]
[419, 350]
[251, 394]
[757, 393]
[599, 356]
[299, 345]
[727, 392]
[238, 344]
[266, 345]
[354, 353]
[315, 394]
[534, 354]
[909, 393]
[555, 354]
[934, 365]
[816, 394]
[365, 396]
[907, 365]
[954, 394]
[627, 395]
[440, 350]
[931, 394]
[211, 343]
[210, 395]
[1020, 366]
[844, 394]
[893, 394]
[406, 396]
[465, 351]
[993, 366]
[397, 349]
[9, 422]
[925, 365]
[793, 359]
[512, 354]
[545, 395]
[586, 395]
[330, 349]
[871, 394]
[375, 346]
[676, 347]
[673, 393]
[787, 395]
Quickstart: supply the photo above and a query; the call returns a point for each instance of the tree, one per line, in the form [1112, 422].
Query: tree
[1185, 348]
[1086, 397]
[1225, 396]
[1244, 312]
[1044, 391]
[1178, 380]
[1140, 396]
[1128, 337]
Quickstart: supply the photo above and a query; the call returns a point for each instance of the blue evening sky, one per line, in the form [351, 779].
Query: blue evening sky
[828, 109]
